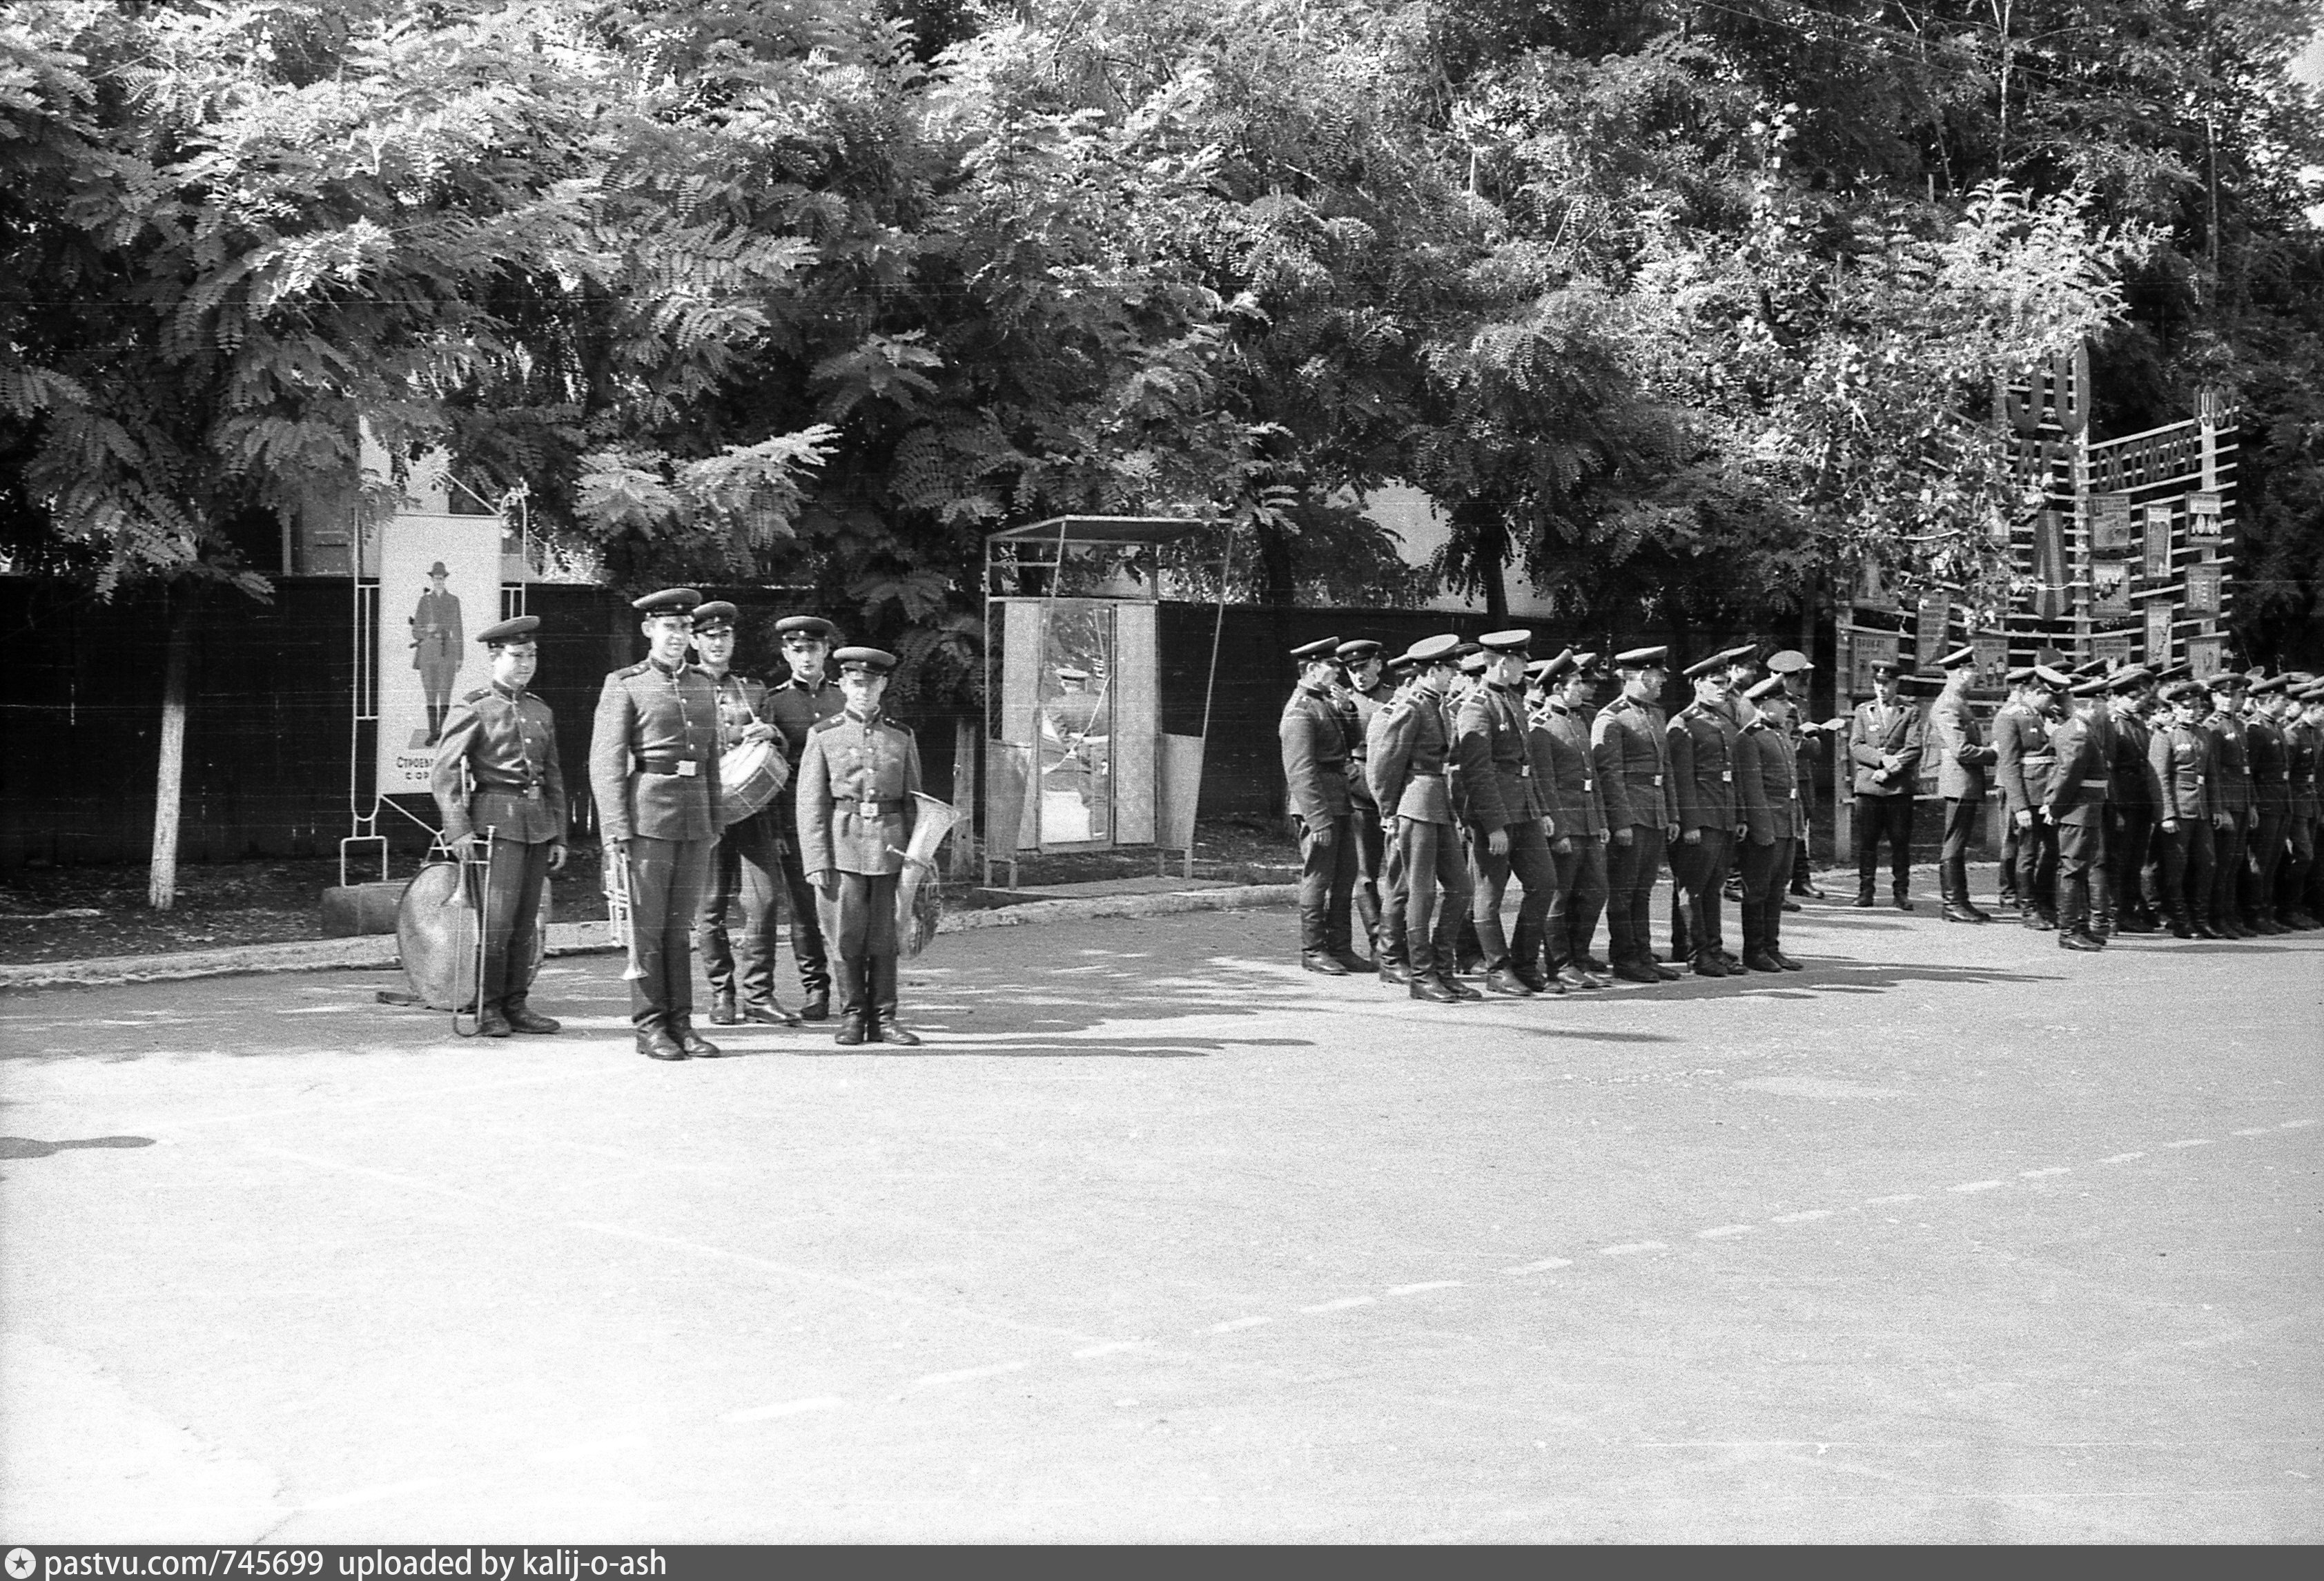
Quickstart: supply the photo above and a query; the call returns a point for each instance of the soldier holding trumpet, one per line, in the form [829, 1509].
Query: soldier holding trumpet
[496, 770]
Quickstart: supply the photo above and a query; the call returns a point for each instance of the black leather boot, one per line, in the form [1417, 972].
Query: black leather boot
[722, 1008]
[853, 1009]
[882, 1026]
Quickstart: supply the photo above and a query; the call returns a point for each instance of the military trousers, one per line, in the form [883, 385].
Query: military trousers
[1437, 896]
[2008, 856]
[1631, 872]
[2037, 866]
[745, 872]
[1888, 819]
[666, 883]
[1696, 873]
[509, 911]
[2299, 863]
[1371, 849]
[1580, 897]
[859, 916]
[2230, 848]
[2268, 844]
[807, 921]
[1764, 870]
[2184, 873]
[1961, 815]
[2130, 835]
[1394, 895]
[1328, 855]
[2082, 860]
[1529, 861]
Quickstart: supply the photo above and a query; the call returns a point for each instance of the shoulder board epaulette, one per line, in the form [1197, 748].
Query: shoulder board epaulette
[825, 723]
[481, 691]
[640, 668]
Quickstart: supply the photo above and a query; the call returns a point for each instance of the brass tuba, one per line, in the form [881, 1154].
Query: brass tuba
[919, 894]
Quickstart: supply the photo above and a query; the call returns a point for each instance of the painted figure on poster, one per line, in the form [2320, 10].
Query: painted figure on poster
[436, 649]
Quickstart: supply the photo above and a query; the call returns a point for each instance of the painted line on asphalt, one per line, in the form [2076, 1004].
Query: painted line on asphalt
[1723, 1231]
[966, 1375]
[1979, 1185]
[2191, 1142]
[373, 1495]
[789, 1407]
[2043, 1174]
[2294, 1124]
[1887, 1201]
[1805, 1215]
[1111, 1347]
[1232, 1324]
[1342, 1304]
[2122, 1158]
[1424, 1286]
[2252, 1130]
[1628, 1247]
[1544, 1266]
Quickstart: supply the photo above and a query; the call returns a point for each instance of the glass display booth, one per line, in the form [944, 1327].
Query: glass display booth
[1074, 755]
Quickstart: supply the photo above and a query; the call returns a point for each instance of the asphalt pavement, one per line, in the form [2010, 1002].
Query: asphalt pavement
[1954, 1237]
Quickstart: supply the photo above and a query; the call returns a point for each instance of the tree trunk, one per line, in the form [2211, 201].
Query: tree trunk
[169, 781]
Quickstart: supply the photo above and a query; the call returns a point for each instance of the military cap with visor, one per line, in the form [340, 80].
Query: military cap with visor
[1357, 650]
[2055, 679]
[806, 625]
[1657, 657]
[1440, 649]
[668, 601]
[1961, 658]
[2230, 680]
[1773, 687]
[717, 616]
[1504, 643]
[1788, 661]
[508, 632]
[864, 661]
[1547, 670]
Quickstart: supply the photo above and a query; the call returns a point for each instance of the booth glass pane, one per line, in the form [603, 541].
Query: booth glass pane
[1076, 722]
[1136, 713]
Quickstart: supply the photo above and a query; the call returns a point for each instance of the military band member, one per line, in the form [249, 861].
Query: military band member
[1630, 746]
[1390, 952]
[497, 780]
[1315, 779]
[2179, 754]
[2023, 761]
[2301, 739]
[1884, 743]
[1412, 772]
[857, 779]
[1703, 737]
[796, 705]
[1365, 695]
[2270, 803]
[2234, 817]
[2076, 808]
[1470, 658]
[746, 868]
[2130, 836]
[1565, 767]
[1767, 777]
[1506, 834]
[1793, 668]
[1963, 762]
[653, 769]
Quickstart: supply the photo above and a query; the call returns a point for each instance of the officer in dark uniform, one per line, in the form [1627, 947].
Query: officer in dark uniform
[1701, 737]
[1766, 778]
[653, 768]
[2271, 780]
[2301, 742]
[747, 867]
[1963, 760]
[2076, 808]
[1793, 668]
[1389, 952]
[856, 783]
[796, 704]
[1503, 817]
[1415, 777]
[497, 777]
[1565, 772]
[2179, 754]
[1885, 740]
[2234, 817]
[2023, 762]
[1314, 741]
[1361, 701]
[1630, 749]
[2130, 834]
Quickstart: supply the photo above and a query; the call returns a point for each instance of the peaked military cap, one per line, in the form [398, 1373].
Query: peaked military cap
[2055, 679]
[2230, 680]
[1773, 687]
[1548, 669]
[2273, 683]
[1880, 667]
[519, 630]
[1743, 655]
[2020, 675]
[811, 626]
[1703, 667]
[1506, 642]
[2182, 670]
[2088, 668]
[870, 660]
[1072, 672]
[1396, 666]
[1590, 662]
[2187, 691]
[1472, 663]
[1961, 658]
[2132, 677]
[1466, 646]
[1439, 649]
[1644, 658]
[1357, 651]
[668, 601]
[1322, 648]
[1788, 661]
[717, 616]
[2096, 686]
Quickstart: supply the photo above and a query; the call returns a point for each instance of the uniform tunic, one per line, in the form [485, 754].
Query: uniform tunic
[1566, 781]
[795, 708]
[2231, 801]
[856, 781]
[1313, 732]
[497, 769]
[2078, 807]
[2180, 755]
[1413, 776]
[1702, 764]
[1629, 745]
[746, 867]
[1494, 765]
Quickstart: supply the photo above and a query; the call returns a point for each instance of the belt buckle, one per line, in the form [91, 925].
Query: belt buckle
[867, 808]
[688, 769]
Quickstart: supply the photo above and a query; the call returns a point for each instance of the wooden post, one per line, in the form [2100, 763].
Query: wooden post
[169, 781]
[966, 737]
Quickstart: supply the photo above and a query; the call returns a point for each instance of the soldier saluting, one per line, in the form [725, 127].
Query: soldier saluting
[856, 783]
[653, 767]
[496, 770]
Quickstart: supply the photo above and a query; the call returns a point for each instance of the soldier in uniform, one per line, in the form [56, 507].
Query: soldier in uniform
[2180, 755]
[1963, 759]
[1316, 778]
[1361, 701]
[2302, 740]
[1630, 749]
[1505, 828]
[653, 768]
[856, 783]
[2023, 761]
[746, 869]
[436, 647]
[796, 704]
[1766, 778]
[2271, 782]
[1793, 668]
[2233, 814]
[1703, 737]
[1413, 772]
[2131, 833]
[1884, 743]
[2076, 808]
[1565, 769]
[497, 780]
[1390, 950]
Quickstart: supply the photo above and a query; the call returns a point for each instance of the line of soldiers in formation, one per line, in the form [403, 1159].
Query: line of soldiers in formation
[830, 840]
[1424, 782]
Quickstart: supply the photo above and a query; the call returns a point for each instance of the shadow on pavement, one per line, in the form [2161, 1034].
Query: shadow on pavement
[26, 1147]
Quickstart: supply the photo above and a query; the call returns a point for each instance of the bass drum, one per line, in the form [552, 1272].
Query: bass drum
[435, 934]
[750, 776]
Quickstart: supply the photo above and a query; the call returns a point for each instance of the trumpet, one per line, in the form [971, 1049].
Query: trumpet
[618, 926]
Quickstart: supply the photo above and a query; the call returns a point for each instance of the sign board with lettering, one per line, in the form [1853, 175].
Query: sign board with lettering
[2110, 589]
[2159, 620]
[1933, 612]
[2203, 515]
[1869, 648]
[2204, 656]
[440, 584]
[2110, 524]
[2203, 589]
[2156, 536]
